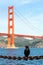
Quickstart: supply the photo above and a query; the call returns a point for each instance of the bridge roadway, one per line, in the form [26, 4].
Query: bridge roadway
[20, 35]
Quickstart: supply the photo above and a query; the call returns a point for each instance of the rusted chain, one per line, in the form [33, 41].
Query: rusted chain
[20, 58]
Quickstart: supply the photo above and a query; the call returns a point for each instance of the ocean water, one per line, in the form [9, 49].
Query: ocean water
[20, 52]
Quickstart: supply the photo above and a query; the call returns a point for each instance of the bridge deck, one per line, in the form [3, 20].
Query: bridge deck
[20, 35]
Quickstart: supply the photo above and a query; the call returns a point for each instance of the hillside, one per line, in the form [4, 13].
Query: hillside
[21, 42]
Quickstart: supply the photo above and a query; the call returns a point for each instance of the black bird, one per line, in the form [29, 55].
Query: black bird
[26, 51]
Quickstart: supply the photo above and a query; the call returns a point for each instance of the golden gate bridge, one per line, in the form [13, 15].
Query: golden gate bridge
[12, 35]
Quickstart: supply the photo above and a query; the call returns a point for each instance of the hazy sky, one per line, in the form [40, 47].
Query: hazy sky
[28, 16]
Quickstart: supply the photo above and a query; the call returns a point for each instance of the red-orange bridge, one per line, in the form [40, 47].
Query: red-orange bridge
[12, 35]
[20, 35]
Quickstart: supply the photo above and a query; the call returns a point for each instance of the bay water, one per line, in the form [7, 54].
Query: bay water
[20, 52]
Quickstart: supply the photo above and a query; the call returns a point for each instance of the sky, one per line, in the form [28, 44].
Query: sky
[28, 16]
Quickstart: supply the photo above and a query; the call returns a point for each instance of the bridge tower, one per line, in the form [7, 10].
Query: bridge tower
[11, 26]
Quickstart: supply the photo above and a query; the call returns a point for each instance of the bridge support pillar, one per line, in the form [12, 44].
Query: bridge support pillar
[11, 27]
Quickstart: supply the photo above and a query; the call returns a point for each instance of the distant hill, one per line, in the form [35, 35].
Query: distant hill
[21, 42]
